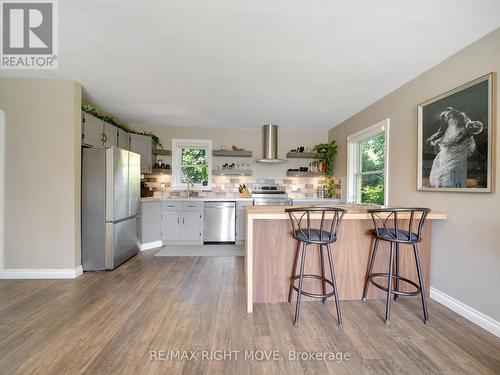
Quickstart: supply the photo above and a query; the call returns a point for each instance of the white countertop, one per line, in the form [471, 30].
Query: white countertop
[228, 199]
[218, 199]
[316, 199]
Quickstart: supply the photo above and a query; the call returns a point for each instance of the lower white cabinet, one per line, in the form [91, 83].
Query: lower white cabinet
[191, 226]
[182, 222]
[240, 220]
[150, 228]
[170, 226]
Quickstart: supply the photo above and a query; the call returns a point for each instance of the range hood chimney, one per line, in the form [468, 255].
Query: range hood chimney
[270, 144]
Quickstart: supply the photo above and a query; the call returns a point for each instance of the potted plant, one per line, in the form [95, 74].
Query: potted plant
[326, 153]
[119, 124]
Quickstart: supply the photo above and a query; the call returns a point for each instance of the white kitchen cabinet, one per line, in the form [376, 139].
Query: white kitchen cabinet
[182, 221]
[92, 130]
[143, 145]
[151, 225]
[110, 135]
[123, 139]
[170, 226]
[240, 220]
[191, 226]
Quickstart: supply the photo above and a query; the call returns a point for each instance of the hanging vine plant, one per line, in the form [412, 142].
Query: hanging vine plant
[94, 111]
[326, 154]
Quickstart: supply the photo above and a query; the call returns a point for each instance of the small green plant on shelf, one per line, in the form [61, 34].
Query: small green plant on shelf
[119, 124]
[326, 153]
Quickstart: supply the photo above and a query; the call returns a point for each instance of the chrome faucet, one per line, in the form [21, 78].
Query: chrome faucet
[189, 192]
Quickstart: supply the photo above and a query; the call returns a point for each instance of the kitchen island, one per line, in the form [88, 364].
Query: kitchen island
[270, 250]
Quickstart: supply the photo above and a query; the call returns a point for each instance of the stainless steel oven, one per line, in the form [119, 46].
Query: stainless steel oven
[270, 195]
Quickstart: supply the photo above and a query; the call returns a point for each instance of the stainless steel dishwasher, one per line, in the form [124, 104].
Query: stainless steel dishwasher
[219, 222]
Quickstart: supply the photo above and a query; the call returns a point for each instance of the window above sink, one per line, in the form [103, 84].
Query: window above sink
[192, 163]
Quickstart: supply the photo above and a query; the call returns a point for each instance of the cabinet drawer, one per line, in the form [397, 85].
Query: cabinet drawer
[192, 205]
[170, 205]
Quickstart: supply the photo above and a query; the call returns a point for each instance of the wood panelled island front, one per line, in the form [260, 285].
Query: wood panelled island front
[270, 251]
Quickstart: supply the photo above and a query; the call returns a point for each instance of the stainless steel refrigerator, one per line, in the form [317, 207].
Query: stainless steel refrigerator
[111, 180]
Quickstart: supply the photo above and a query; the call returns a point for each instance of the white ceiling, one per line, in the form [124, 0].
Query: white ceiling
[234, 63]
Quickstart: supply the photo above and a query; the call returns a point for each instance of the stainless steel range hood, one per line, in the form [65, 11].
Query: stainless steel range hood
[270, 144]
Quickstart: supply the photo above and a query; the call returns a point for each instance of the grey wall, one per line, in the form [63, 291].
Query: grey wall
[2, 174]
[42, 173]
[465, 248]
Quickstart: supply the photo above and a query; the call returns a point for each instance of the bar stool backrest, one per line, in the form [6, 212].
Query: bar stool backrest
[315, 224]
[387, 225]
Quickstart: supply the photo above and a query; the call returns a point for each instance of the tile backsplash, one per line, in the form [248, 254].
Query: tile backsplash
[227, 186]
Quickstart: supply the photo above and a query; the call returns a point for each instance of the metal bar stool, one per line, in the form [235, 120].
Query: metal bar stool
[387, 228]
[320, 234]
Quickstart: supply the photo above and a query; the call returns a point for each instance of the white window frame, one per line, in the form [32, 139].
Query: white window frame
[353, 162]
[177, 146]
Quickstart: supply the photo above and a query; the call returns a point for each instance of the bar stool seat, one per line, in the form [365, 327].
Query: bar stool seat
[390, 235]
[315, 235]
[307, 233]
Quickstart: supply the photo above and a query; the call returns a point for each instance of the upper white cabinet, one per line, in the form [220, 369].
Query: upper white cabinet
[98, 133]
[123, 139]
[92, 130]
[143, 145]
[110, 135]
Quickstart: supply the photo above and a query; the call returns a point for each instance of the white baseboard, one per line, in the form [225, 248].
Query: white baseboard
[41, 273]
[489, 324]
[150, 245]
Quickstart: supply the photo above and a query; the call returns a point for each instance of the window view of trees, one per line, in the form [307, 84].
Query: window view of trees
[194, 165]
[372, 160]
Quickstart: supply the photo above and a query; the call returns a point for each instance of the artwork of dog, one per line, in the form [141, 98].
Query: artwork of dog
[455, 141]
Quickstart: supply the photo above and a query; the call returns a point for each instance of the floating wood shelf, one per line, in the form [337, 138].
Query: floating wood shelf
[240, 154]
[161, 171]
[302, 155]
[160, 151]
[242, 172]
[304, 174]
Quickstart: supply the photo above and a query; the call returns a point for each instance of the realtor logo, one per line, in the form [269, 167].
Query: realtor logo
[28, 34]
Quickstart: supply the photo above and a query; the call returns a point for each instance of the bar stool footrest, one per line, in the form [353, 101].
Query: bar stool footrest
[310, 294]
[397, 292]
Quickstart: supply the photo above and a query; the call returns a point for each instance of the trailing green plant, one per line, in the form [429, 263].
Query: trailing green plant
[326, 153]
[119, 124]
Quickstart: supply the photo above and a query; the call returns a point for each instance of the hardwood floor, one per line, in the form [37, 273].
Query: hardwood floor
[109, 322]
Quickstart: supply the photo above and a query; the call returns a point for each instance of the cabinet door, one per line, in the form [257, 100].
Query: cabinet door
[170, 226]
[110, 135]
[151, 223]
[92, 130]
[191, 226]
[143, 145]
[240, 220]
[123, 139]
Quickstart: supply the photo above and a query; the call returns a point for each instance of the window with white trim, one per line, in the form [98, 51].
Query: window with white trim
[192, 163]
[367, 165]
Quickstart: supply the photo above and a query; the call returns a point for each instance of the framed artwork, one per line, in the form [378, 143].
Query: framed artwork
[455, 138]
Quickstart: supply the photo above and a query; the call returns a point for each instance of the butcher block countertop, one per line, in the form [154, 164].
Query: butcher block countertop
[354, 212]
